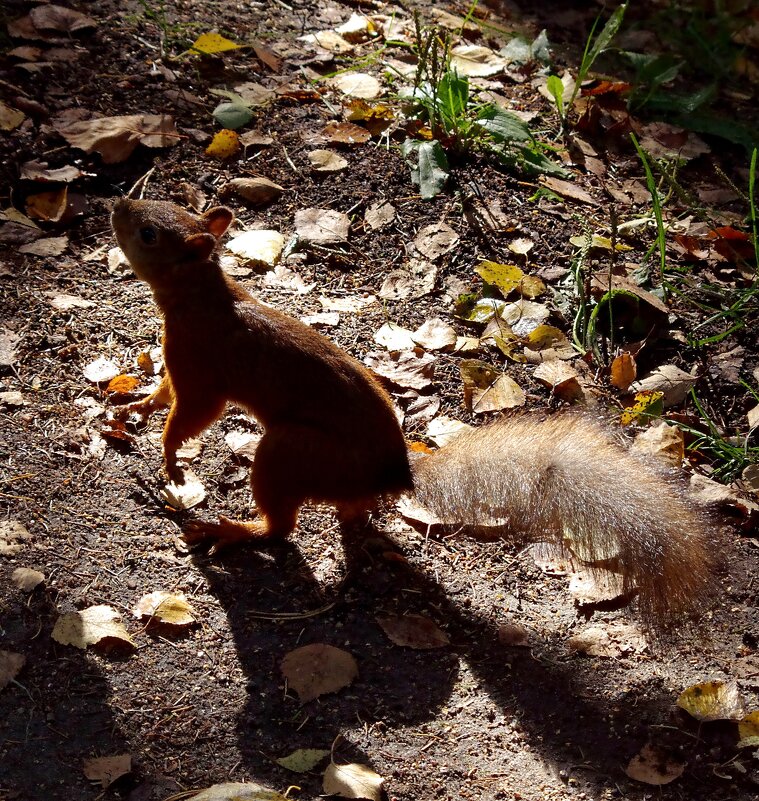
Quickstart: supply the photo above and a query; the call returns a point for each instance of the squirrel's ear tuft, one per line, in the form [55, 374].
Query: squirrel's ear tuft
[199, 247]
[217, 220]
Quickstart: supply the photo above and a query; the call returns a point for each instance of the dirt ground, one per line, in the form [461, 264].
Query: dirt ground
[476, 719]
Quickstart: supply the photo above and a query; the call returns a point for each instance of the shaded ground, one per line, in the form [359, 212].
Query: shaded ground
[477, 719]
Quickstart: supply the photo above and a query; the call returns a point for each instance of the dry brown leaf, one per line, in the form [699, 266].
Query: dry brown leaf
[476, 61]
[623, 371]
[90, 627]
[357, 84]
[68, 302]
[239, 791]
[47, 247]
[569, 190]
[415, 282]
[357, 28]
[344, 133]
[317, 669]
[101, 370]
[654, 765]
[393, 337]
[165, 607]
[434, 241]
[243, 443]
[592, 587]
[673, 382]
[10, 118]
[561, 378]
[13, 537]
[262, 247]
[408, 368]
[10, 666]
[38, 171]
[330, 41]
[115, 138]
[353, 781]
[326, 161]
[186, 495]
[379, 214]
[487, 389]
[8, 341]
[59, 19]
[27, 579]
[49, 206]
[435, 334]
[663, 440]
[282, 277]
[609, 640]
[354, 303]
[322, 226]
[122, 385]
[413, 631]
[258, 191]
[107, 769]
[513, 635]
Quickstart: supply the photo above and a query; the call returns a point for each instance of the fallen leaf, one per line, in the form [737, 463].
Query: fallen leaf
[521, 246]
[561, 378]
[344, 133]
[39, 171]
[326, 319]
[486, 389]
[413, 631]
[443, 429]
[239, 791]
[415, 282]
[243, 443]
[330, 41]
[224, 145]
[303, 759]
[476, 61]
[712, 700]
[357, 84]
[101, 370]
[8, 342]
[10, 118]
[405, 368]
[10, 666]
[354, 303]
[513, 635]
[671, 381]
[623, 371]
[393, 337]
[353, 781]
[748, 729]
[107, 769]
[13, 537]
[321, 226]
[379, 214]
[647, 406]
[115, 138]
[212, 43]
[90, 626]
[654, 765]
[434, 241]
[27, 579]
[569, 190]
[262, 247]
[13, 398]
[662, 440]
[68, 302]
[356, 28]
[435, 334]
[592, 587]
[48, 206]
[326, 161]
[258, 191]
[165, 607]
[122, 385]
[609, 640]
[187, 495]
[47, 247]
[60, 20]
[317, 669]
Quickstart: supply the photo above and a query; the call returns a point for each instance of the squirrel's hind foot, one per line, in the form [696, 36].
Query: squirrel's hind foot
[227, 533]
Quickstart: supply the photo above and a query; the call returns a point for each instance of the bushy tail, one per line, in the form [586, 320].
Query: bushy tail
[564, 478]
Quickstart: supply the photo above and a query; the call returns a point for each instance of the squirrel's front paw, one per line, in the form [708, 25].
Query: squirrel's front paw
[174, 472]
[139, 410]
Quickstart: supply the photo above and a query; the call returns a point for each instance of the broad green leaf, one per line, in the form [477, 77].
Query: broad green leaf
[431, 169]
[556, 88]
[502, 125]
[453, 95]
[536, 163]
[232, 115]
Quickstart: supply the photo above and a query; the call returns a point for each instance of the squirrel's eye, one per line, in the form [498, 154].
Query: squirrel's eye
[148, 235]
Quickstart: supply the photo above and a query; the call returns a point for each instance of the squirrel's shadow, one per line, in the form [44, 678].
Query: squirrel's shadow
[564, 718]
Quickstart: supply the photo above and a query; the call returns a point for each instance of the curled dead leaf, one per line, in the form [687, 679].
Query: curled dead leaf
[413, 631]
[353, 781]
[165, 607]
[91, 626]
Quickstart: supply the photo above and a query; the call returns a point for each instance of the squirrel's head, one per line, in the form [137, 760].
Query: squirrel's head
[158, 237]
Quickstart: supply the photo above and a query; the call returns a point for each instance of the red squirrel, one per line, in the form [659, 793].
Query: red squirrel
[331, 434]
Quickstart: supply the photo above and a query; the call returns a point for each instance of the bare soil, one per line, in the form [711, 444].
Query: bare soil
[477, 719]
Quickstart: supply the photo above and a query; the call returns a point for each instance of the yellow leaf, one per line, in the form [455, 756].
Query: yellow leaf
[647, 404]
[213, 43]
[712, 700]
[122, 384]
[748, 729]
[225, 144]
[506, 277]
